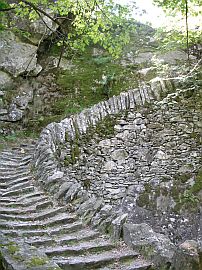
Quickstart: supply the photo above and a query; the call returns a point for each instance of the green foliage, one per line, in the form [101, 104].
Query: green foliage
[175, 35]
[176, 38]
[3, 22]
[179, 5]
[189, 197]
[83, 22]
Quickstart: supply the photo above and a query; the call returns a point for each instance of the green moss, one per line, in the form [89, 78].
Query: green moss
[12, 248]
[183, 178]
[147, 250]
[196, 137]
[188, 199]
[8, 97]
[86, 183]
[67, 160]
[164, 191]
[82, 87]
[198, 183]
[18, 258]
[16, 137]
[103, 129]
[175, 192]
[143, 200]
[75, 152]
[37, 124]
[148, 187]
[36, 261]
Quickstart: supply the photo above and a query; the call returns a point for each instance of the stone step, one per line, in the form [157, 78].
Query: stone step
[83, 248]
[13, 174]
[44, 205]
[20, 185]
[56, 220]
[10, 182]
[138, 264]
[94, 261]
[19, 192]
[29, 216]
[7, 200]
[12, 158]
[3, 187]
[41, 241]
[36, 216]
[16, 211]
[13, 165]
[32, 204]
[79, 236]
[53, 231]
[18, 156]
[34, 194]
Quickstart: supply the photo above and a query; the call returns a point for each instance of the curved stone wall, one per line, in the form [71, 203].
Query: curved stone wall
[143, 172]
[57, 136]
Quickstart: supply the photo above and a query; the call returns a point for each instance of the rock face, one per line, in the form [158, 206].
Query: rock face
[39, 29]
[33, 97]
[15, 109]
[17, 57]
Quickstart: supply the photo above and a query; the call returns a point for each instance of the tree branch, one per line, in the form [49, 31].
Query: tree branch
[41, 11]
[187, 28]
[6, 9]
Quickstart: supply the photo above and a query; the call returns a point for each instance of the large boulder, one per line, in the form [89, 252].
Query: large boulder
[17, 57]
[187, 256]
[154, 246]
[174, 57]
[5, 81]
[37, 29]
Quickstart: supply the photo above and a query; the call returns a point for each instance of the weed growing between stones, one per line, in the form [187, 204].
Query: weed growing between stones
[197, 187]
[36, 261]
[12, 248]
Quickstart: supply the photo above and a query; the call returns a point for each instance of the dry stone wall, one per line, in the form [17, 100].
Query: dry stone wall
[145, 171]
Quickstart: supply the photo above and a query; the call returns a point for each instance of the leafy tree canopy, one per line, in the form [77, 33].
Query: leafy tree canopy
[185, 27]
[180, 5]
[80, 22]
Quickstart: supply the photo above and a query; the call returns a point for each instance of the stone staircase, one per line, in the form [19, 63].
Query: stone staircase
[38, 233]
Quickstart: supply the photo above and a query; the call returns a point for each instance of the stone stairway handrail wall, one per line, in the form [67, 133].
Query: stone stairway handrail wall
[47, 161]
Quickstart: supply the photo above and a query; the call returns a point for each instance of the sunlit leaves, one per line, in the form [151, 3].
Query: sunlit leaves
[184, 29]
[178, 5]
[87, 21]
